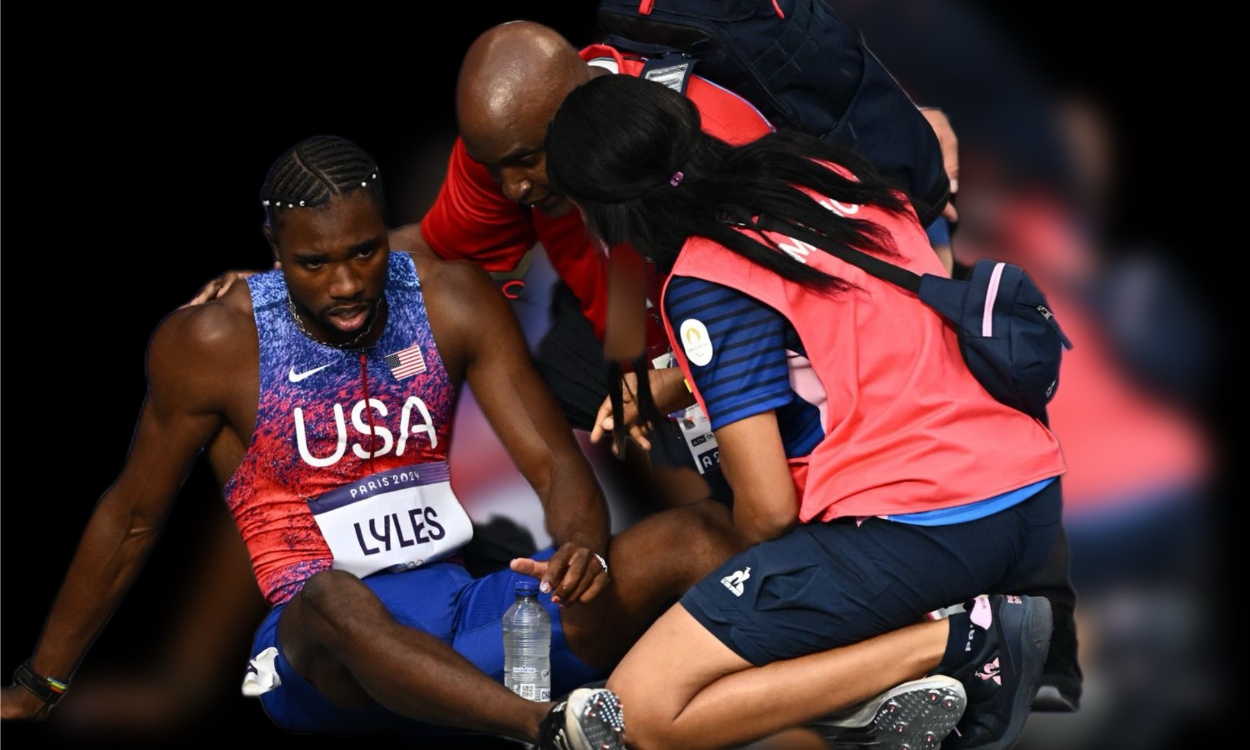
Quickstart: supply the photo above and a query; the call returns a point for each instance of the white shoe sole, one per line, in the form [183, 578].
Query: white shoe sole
[594, 719]
[915, 715]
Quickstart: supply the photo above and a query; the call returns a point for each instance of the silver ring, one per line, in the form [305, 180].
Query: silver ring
[602, 562]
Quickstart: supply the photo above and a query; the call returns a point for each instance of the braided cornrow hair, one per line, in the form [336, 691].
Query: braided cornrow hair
[315, 170]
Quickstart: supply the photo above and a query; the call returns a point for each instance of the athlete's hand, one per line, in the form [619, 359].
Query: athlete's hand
[19, 704]
[573, 574]
[218, 286]
[668, 390]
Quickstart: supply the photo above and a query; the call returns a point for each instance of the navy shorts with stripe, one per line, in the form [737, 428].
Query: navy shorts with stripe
[825, 585]
[441, 599]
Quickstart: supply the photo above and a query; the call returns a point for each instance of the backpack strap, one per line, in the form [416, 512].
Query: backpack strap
[881, 269]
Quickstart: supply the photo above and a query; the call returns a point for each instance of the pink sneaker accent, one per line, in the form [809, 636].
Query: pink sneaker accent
[981, 613]
[991, 672]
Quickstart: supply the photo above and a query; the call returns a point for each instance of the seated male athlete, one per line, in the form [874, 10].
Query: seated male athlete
[322, 395]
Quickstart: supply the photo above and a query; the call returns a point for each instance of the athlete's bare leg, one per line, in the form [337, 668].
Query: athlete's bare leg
[209, 640]
[340, 637]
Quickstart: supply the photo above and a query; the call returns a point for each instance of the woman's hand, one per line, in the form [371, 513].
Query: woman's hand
[668, 391]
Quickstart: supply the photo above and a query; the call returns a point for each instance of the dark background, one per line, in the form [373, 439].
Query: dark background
[135, 144]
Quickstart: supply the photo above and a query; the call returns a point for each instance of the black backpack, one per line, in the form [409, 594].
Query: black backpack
[801, 65]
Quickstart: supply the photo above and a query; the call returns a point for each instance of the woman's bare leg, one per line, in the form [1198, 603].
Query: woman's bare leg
[681, 687]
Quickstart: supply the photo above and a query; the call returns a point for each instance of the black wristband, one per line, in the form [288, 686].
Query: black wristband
[45, 689]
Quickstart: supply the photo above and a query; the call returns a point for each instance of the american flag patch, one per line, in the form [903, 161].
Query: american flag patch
[406, 363]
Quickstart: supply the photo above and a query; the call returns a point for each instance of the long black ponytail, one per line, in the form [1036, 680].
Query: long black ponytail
[633, 156]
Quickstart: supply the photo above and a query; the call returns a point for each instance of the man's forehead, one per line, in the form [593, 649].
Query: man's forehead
[507, 125]
[497, 143]
[344, 220]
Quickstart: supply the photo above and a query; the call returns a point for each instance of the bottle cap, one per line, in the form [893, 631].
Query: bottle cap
[527, 588]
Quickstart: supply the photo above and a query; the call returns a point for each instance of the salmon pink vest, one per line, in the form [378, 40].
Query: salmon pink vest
[907, 426]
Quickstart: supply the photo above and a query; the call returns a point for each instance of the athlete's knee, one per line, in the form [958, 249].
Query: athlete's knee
[328, 586]
[329, 624]
[692, 541]
[329, 600]
[711, 527]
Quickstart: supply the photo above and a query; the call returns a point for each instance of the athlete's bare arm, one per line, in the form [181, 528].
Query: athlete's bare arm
[481, 343]
[193, 390]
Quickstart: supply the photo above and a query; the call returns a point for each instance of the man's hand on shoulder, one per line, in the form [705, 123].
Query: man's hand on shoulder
[217, 287]
[230, 308]
[198, 352]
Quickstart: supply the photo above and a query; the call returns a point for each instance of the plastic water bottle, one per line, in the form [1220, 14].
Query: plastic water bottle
[527, 645]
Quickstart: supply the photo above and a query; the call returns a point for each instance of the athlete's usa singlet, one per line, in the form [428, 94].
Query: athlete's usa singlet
[347, 466]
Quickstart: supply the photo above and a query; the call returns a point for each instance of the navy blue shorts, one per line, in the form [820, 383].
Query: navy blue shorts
[443, 600]
[825, 585]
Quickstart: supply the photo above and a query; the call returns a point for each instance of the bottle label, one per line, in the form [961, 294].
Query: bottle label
[531, 684]
[531, 691]
[393, 520]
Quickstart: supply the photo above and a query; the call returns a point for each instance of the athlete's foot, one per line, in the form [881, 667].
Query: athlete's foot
[589, 719]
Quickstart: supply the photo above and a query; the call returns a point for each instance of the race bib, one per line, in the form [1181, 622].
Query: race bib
[393, 520]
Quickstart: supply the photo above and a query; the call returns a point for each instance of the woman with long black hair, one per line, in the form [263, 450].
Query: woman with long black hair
[876, 478]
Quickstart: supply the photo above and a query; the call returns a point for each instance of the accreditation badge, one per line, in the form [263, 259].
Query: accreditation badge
[696, 428]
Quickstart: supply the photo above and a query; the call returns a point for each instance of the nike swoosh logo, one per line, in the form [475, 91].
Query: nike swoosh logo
[295, 377]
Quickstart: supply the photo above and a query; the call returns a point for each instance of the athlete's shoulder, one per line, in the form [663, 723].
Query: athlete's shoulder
[449, 279]
[203, 335]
